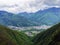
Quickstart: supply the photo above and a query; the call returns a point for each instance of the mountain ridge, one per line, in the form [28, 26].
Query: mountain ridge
[49, 16]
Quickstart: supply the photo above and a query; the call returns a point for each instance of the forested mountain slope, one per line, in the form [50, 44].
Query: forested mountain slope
[11, 37]
[48, 37]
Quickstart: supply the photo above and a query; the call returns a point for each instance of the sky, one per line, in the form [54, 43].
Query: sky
[29, 6]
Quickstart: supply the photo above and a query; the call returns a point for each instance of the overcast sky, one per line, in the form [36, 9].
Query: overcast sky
[29, 6]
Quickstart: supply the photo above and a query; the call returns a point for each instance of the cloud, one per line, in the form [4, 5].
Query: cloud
[53, 2]
[29, 6]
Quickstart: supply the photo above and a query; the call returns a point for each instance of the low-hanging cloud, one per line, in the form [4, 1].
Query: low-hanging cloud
[29, 6]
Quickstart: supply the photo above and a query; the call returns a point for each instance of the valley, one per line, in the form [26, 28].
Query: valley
[30, 31]
[39, 28]
[49, 36]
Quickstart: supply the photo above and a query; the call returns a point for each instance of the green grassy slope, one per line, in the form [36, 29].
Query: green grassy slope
[48, 37]
[11, 37]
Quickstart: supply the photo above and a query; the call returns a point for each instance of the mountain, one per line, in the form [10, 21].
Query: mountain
[12, 37]
[10, 19]
[48, 37]
[49, 16]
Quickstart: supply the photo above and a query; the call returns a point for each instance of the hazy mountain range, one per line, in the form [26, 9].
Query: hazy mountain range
[49, 16]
